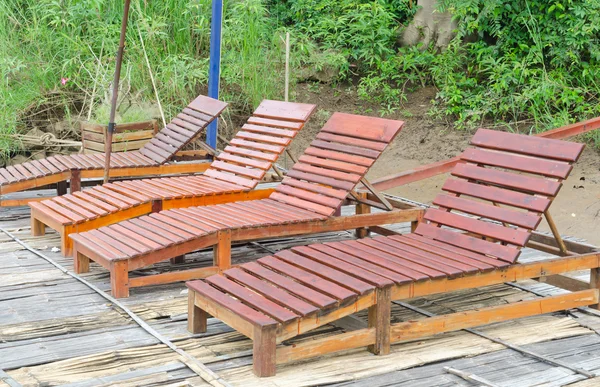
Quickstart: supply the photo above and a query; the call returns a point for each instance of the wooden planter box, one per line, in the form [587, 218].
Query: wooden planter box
[127, 137]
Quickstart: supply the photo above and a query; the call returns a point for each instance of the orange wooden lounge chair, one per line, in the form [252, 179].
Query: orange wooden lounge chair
[231, 177]
[149, 160]
[304, 203]
[508, 178]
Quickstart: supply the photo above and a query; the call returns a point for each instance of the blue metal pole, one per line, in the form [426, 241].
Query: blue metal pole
[214, 69]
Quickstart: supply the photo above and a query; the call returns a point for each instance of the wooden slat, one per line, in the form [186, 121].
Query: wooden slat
[253, 299]
[269, 131]
[361, 273]
[349, 259]
[271, 292]
[257, 145]
[498, 195]
[275, 123]
[236, 169]
[507, 179]
[506, 253]
[243, 311]
[314, 178]
[509, 235]
[294, 201]
[335, 193]
[252, 153]
[518, 218]
[378, 146]
[231, 178]
[368, 128]
[314, 297]
[333, 275]
[534, 165]
[352, 177]
[529, 145]
[332, 164]
[339, 156]
[278, 110]
[212, 107]
[244, 161]
[309, 196]
[263, 138]
[312, 281]
[353, 150]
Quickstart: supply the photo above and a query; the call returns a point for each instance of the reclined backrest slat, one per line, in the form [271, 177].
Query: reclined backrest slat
[511, 179]
[258, 145]
[340, 156]
[528, 145]
[186, 126]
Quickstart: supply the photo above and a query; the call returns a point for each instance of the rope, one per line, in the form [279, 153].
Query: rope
[194, 364]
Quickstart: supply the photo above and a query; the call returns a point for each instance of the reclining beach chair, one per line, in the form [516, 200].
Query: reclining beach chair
[509, 179]
[304, 203]
[231, 177]
[149, 160]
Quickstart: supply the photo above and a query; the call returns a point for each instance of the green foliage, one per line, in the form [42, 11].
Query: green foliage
[363, 32]
[532, 60]
[43, 41]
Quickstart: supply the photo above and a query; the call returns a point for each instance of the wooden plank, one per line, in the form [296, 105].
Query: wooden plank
[271, 292]
[506, 179]
[264, 165]
[505, 253]
[252, 153]
[498, 195]
[327, 181]
[534, 165]
[229, 178]
[229, 303]
[462, 320]
[234, 168]
[257, 146]
[514, 236]
[332, 164]
[518, 218]
[212, 107]
[333, 275]
[351, 177]
[255, 300]
[335, 193]
[364, 127]
[314, 297]
[529, 145]
[339, 156]
[275, 123]
[300, 203]
[346, 140]
[251, 136]
[308, 279]
[259, 129]
[309, 196]
[278, 110]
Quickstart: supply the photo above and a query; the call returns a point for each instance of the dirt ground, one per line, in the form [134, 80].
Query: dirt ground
[424, 140]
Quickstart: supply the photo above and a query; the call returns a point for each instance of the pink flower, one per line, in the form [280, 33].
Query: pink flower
[63, 81]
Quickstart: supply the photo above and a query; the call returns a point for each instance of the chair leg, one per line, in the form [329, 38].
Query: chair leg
[379, 317]
[222, 250]
[362, 208]
[177, 260]
[61, 188]
[595, 283]
[37, 228]
[81, 264]
[264, 350]
[119, 279]
[196, 316]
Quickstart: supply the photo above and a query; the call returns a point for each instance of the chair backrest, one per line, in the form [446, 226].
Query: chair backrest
[260, 142]
[509, 178]
[182, 129]
[335, 161]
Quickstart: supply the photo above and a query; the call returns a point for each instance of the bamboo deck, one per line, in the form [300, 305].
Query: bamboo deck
[54, 331]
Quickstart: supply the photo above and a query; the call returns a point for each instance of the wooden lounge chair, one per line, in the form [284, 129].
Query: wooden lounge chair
[508, 178]
[231, 177]
[149, 160]
[304, 203]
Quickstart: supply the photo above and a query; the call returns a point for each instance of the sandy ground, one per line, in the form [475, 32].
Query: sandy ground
[424, 140]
